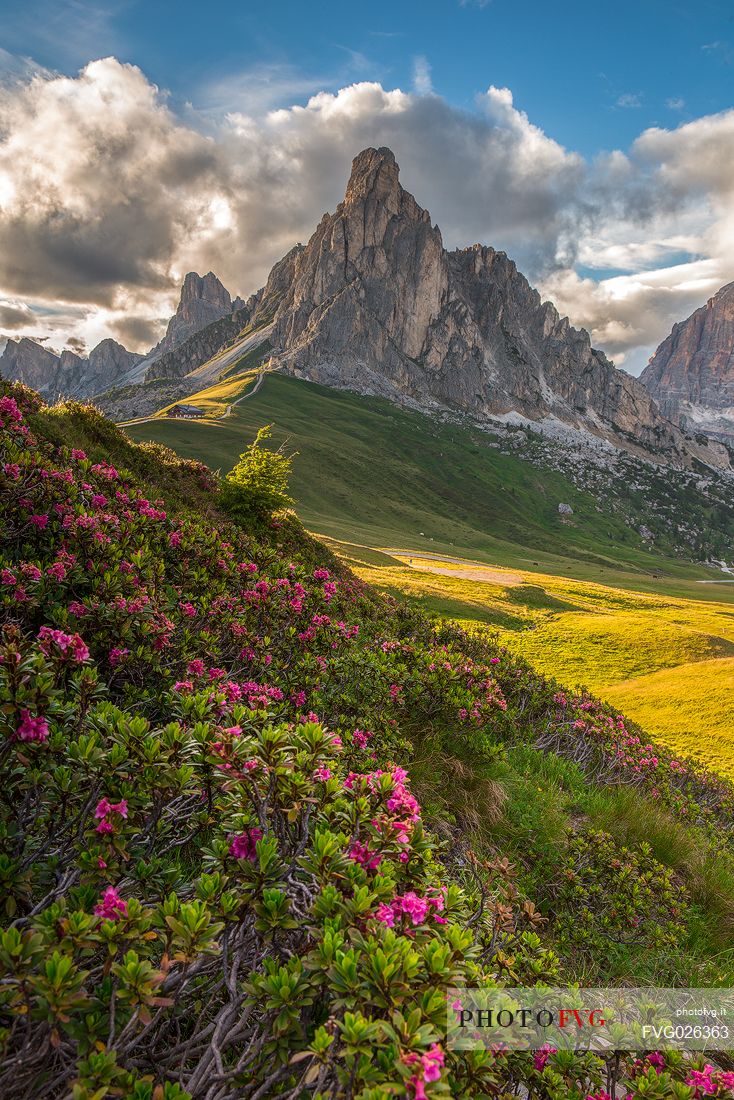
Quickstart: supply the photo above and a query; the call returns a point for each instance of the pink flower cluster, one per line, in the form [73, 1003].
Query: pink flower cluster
[31, 728]
[9, 408]
[410, 909]
[403, 810]
[112, 906]
[708, 1081]
[71, 645]
[361, 853]
[541, 1056]
[243, 846]
[361, 737]
[427, 1068]
[103, 812]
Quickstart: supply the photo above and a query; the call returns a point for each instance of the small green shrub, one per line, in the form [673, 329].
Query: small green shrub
[258, 485]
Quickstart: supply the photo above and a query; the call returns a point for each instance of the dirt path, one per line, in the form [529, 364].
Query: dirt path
[472, 572]
[250, 393]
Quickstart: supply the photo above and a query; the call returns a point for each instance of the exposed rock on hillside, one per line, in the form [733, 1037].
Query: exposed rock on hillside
[199, 347]
[691, 375]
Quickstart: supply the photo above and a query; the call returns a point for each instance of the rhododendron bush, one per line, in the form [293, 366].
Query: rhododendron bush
[217, 878]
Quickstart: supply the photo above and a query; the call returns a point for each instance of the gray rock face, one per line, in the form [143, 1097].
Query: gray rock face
[199, 347]
[565, 510]
[374, 303]
[691, 375]
[68, 374]
[203, 300]
[29, 362]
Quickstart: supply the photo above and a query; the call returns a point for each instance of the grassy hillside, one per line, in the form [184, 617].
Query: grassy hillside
[666, 660]
[595, 606]
[372, 473]
[257, 818]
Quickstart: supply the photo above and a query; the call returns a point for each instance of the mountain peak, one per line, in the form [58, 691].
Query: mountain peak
[207, 288]
[204, 299]
[375, 304]
[373, 171]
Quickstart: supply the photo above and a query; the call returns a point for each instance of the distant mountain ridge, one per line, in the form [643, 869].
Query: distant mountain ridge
[691, 375]
[67, 374]
[203, 301]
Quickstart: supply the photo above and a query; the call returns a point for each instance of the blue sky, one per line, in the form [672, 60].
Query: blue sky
[590, 74]
[593, 142]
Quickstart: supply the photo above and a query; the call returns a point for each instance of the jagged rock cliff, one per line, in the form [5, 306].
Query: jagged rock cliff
[374, 303]
[203, 300]
[199, 347]
[691, 375]
[68, 374]
[29, 362]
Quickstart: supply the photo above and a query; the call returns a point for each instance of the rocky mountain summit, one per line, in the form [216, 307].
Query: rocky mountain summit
[68, 374]
[203, 300]
[691, 375]
[375, 304]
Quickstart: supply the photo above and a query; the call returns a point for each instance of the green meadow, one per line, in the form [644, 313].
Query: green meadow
[582, 599]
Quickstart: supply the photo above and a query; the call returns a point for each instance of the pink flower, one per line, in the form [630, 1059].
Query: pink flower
[32, 728]
[116, 656]
[9, 408]
[103, 808]
[71, 645]
[196, 667]
[243, 846]
[541, 1057]
[360, 853]
[38, 521]
[385, 915]
[111, 906]
[701, 1081]
[432, 1062]
[78, 455]
[11, 470]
